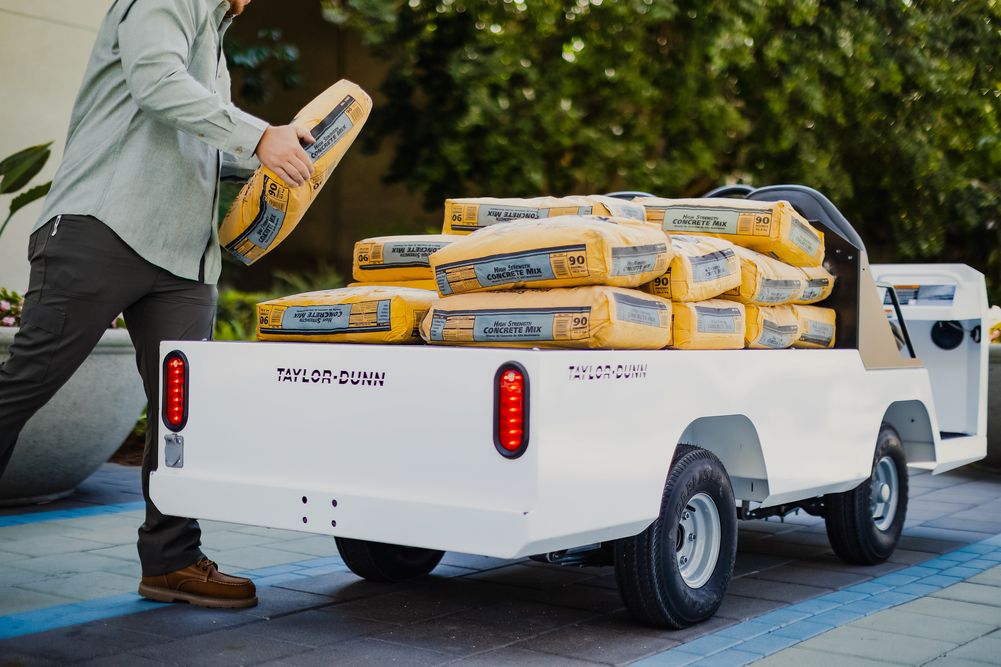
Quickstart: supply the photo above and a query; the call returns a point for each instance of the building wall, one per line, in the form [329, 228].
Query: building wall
[44, 47]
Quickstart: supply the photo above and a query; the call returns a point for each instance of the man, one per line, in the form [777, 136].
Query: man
[129, 227]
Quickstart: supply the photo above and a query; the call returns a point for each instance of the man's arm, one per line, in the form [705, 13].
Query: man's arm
[155, 40]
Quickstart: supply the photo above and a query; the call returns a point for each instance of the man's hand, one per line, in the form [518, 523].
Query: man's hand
[279, 151]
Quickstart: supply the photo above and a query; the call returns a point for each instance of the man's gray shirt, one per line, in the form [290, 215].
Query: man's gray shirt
[143, 150]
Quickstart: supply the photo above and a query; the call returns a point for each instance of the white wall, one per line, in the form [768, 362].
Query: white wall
[44, 47]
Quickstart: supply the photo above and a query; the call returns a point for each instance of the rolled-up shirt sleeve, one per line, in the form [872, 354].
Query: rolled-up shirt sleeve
[155, 39]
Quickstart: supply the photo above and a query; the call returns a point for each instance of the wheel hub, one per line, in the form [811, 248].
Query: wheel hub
[885, 493]
[698, 543]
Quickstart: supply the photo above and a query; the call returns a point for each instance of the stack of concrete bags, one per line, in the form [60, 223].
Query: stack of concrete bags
[553, 282]
[761, 257]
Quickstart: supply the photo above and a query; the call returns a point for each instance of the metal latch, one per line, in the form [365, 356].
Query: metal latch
[173, 450]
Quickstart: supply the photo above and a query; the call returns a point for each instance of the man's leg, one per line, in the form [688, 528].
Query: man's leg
[81, 278]
[173, 566]
[175, 309]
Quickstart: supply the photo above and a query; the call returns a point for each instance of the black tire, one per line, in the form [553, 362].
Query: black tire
[861, 531]
[647, 565]
[386, 562]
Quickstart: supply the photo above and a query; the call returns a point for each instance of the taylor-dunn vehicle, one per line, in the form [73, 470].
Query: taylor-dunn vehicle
[643, 460]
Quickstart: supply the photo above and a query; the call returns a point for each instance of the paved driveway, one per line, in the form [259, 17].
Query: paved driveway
[68, 574]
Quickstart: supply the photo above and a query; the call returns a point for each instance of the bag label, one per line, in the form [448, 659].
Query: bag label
[527, 266]
[625, 210]
[777, 291]
[641, 311]
[331, 129]
[264, 228]
[713, 266]
[814, 289]
[397, 254]
[661, 286]
[475, 216]
[818, 333]
[803, 237]
[326, 319]
[712, 219]
[531, 324]
[717, 320]
[779, 337]
[638, 259]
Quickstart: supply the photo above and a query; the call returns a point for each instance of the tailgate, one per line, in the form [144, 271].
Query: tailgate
[371, 442]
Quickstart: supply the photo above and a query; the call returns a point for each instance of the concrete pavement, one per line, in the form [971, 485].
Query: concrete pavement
[68, 574]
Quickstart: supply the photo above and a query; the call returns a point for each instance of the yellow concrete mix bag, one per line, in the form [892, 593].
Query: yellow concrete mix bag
[819, 285]
[771, 228]
[770, 327]
[397, 257]
[816, 326]
[266, 211]
[568, 251]
[703, 267]
[346, 315]
[595, 317]
[464, 216]
[713, 324]
[765, 281]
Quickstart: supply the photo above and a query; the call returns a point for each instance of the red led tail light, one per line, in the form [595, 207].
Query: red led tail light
[175, 391]
[511, 410]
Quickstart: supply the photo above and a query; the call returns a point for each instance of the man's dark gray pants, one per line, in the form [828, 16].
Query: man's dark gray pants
[82, 276]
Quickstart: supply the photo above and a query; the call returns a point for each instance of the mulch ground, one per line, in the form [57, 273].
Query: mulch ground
[131, 451]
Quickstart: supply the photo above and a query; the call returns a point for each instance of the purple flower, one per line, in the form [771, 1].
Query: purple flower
[4, 305]
[7, 321]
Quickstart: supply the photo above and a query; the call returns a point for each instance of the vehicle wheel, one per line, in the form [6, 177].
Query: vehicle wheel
[386, 562]
[864, 524]
[676, 572]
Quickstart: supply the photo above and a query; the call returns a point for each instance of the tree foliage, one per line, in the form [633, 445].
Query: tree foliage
[890, 107]
[262, 63]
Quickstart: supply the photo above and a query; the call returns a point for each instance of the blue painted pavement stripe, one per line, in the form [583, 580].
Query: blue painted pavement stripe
[50, 618]
[79, 512]
[759, 637]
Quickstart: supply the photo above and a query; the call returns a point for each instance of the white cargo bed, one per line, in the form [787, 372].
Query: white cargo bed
[395, 444]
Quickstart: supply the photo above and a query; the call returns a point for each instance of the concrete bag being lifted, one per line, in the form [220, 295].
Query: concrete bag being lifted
[594, 317]
[771, 228]
[266, 211]
[568, 251]
[346, 315]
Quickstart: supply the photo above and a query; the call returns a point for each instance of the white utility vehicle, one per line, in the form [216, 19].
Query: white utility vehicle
[643, 460]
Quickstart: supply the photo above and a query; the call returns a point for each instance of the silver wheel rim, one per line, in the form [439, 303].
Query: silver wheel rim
[699, 536]
[884, 493]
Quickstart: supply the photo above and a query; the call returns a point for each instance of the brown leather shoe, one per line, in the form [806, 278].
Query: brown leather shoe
[201, 584]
